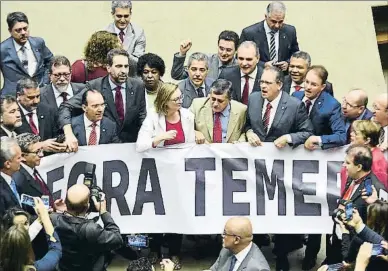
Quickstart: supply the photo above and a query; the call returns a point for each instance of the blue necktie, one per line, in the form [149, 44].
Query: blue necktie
[14, 190]
[232, 263]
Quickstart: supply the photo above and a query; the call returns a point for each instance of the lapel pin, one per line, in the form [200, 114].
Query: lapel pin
[103, 130]
[42, 117]
[131, 93]
[283, 107]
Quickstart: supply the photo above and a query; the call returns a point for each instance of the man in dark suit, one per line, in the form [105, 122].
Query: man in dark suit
[299, 64]
[197, 85]
[354, 107]
[10, 158]
[92, 128]
[239, 252]
[22, 55]
[60, 89]
[276, 40]
[124, 97]
[244, 77]
[10, 117]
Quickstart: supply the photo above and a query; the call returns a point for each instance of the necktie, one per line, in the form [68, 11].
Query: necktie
[42, 185]
[64, 96]
[220, 69]
[32, 123]
[200, 92]
[297, 88]
[272, 51]
[217, 128]
[349, 191]
[382, 136]
[121, 36]
[24, 58]
[308, 105]
[232, 263]
[267, 114]
[119, 103]
[245, 93]
[15, 191]
[93, 135]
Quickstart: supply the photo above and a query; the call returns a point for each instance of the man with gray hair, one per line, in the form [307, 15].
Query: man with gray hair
[131, 35]
[10, 158]
[197, 85]
[244, 77]
[276, 40]
[10, 117]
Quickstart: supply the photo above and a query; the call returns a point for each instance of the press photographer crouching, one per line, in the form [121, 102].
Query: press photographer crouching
[362, 188]
[86, 245]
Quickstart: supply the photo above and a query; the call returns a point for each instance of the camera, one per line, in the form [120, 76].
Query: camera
[90, 182]
[338, 213]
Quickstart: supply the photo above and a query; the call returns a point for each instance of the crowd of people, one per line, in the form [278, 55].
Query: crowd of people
[258, 87]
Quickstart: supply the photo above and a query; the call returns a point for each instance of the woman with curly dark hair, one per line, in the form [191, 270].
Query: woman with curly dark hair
[94, 64]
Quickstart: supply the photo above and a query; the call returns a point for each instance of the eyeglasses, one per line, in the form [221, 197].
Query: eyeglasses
[229, 234]
[348, 104]
[180, 98]
[59, 75]
[261, 82]
[38, 152]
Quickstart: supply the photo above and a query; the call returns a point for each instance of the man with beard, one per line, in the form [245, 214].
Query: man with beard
[37, 118]
[10, 117]
[60, 89]
[227, 46]
[197, 85]
[22, 55]
[124, 98]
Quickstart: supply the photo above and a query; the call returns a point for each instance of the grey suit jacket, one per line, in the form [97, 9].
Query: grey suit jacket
[290, 118]
[179, 71]
[254, 261]
[189, 91]
[134, 40]
[47, 95]
[13, 70]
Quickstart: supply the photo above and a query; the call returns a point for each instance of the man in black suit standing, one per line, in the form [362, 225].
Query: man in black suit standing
[10, 158]
[244, 77]
[92, 128]
[276, 40]
[60, 89]
[10, 117]
[124, 97]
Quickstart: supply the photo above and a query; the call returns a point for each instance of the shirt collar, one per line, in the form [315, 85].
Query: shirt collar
[18, 46]
[8, 132]
[117, 31]
[28, 169]
[25, 112]
[293, 84]
[267, 29]
[196, 88]
[57, 93]
[251, 75]
[275, 102]
[312, 101]
[231, 63]
[88, 123]
[6, 177]
[243, 253]
[113, 86]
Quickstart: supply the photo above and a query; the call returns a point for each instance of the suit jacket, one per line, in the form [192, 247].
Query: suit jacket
[47, 95]
[204, 121]
[47, 122]
[288, 43]
[179, 72]
[325, 115]
[290, 118]
[288, 81]
[366, 115]
[7, 198]
[13, 70]
[254, 261]
[155, 124]
[108, 133]
[233, 74]
[135, 111]
[134, 40]
[190, 93]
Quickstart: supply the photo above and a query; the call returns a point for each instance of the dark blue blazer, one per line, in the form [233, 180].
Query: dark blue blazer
[366, 115]
[108, 132]
[7, 198]
[325, 115]
[13, 70]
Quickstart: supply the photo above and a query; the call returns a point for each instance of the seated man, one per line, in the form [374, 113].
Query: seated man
[92, 128]
[10, 117]
[218, 119]
[239, 253]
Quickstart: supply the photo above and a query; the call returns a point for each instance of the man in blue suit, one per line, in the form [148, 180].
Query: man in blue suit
[22, 55]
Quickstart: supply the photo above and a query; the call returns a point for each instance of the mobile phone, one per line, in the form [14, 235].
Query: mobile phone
[349, 211]
[137, 241]
[368, 187]
[46, 201]
[335, 267]
[27, 200]
[377, 249]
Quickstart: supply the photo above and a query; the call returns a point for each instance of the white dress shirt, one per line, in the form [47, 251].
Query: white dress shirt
[274, 104]
[113, 87]
[252, 78]
[57, 94]
[385, 134]
[8, 132]
[28, 169]
[32, 63]
[88, 129]
[293, 85]
[117, 31]
[268, 33]
[241, 256]
[34, 116]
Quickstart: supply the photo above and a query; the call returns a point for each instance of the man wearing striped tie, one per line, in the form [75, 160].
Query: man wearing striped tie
[276, 40]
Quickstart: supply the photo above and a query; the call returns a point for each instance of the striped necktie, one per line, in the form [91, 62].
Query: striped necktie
[272, 49]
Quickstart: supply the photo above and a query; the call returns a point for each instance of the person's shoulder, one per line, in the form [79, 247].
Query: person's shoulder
[237, 106]
[199, 102]
[137, 28]
[231, 70]
[77, 120]
[6, 43]
[289, 27]
[253, 27]
[136, 82]
[108, 122]
[185, 112]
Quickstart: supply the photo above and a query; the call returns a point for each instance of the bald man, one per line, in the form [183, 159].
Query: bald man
[354, 107]
[239, 253]
[85, 244]
[380, 115]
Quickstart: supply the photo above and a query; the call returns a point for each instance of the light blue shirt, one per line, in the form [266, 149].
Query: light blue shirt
[113, 87]
[224, 116]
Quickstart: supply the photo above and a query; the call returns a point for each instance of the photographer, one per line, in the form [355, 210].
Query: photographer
[85, 243]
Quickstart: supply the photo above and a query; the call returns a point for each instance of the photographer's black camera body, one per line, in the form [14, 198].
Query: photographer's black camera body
[90, 182]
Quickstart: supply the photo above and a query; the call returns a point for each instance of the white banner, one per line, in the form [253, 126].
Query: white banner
[195, 190]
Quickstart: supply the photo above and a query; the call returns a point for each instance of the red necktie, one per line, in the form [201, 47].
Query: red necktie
[308, 105]
[267, 114]
[64, 96]
[297, 88]
[245, 93]
[45, 191]
[217, 129]
[93, 135]
[119, 103]
[121, 36]
[32, 123]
